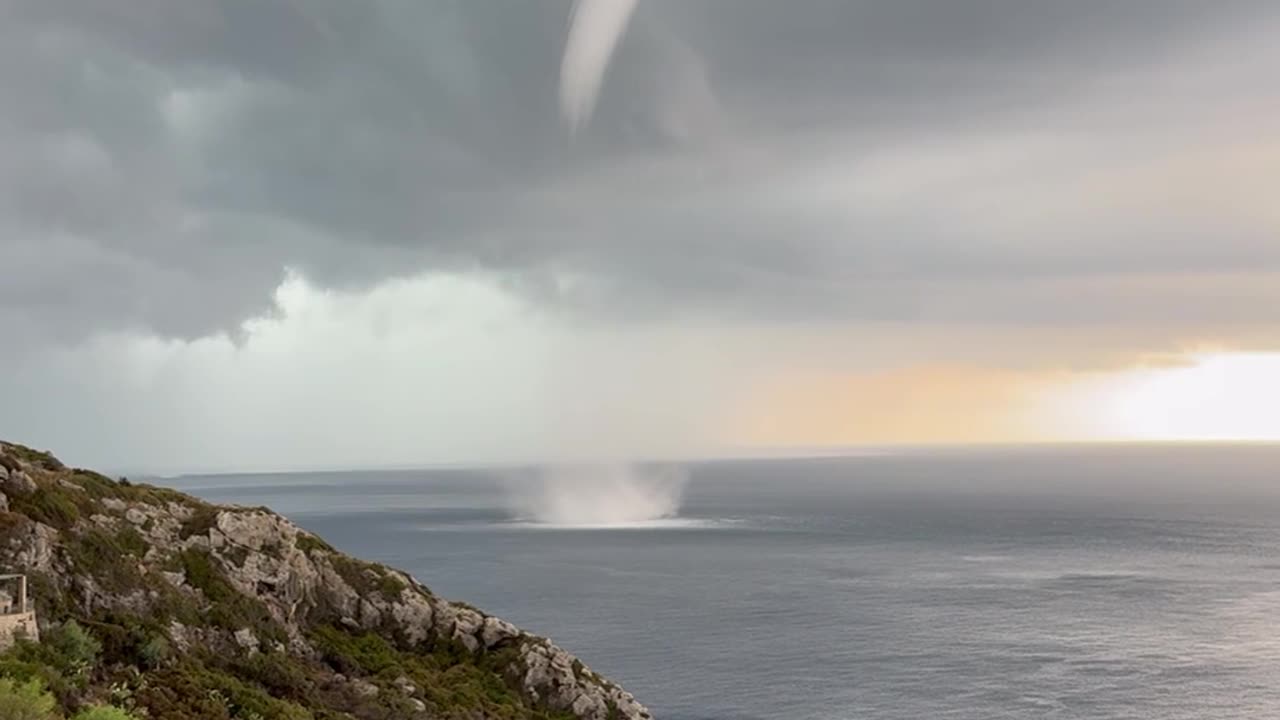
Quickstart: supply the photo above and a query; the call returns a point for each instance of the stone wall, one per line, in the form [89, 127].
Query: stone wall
[17, 625]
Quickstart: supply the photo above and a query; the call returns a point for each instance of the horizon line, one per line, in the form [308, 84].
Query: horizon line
[766, 454]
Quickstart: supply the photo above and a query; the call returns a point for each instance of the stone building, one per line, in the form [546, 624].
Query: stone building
[17, 616]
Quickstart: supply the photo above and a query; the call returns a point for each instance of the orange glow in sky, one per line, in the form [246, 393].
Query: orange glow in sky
[1203, 397]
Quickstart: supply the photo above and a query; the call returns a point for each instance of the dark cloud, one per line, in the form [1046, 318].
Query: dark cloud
[976, 161]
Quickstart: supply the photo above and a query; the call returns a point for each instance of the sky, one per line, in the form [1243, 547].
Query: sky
[277, 234]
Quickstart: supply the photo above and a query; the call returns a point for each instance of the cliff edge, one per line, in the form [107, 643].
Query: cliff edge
[208, 611]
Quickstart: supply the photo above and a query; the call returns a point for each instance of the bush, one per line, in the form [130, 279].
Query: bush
[76, 650]
[193, 691]
[367, 654]
[102, 712]
[154, 652]
[27, 661]
[62, 661]
[25, 701]
[49, 505]
[280, 674]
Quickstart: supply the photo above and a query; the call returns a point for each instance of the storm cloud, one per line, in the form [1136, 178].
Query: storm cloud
[983, 161]
[921, 178]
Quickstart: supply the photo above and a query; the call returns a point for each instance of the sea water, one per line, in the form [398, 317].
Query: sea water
[1071, 582]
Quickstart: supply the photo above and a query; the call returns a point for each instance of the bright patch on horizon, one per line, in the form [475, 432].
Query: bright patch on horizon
[1216, 397]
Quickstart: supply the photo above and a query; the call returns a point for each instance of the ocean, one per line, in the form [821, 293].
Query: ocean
[1131, 582]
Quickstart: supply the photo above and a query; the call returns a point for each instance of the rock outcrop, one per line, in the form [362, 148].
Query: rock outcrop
[222, 585]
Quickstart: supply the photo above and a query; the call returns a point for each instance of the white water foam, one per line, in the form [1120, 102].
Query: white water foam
[617, 495]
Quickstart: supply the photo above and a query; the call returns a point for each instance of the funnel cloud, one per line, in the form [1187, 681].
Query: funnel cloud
[595, 29]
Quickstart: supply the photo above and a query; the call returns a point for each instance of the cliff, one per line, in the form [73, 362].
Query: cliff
[206, 611]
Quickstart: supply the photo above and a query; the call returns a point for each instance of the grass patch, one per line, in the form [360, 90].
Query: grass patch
[39, 458]
[49, 504]
[131, 541]
[96, 485]
[308, 543]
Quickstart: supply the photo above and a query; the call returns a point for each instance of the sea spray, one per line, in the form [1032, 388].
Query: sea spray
[616, 494]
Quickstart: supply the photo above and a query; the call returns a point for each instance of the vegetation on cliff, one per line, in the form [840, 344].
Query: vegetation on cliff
[158, 605]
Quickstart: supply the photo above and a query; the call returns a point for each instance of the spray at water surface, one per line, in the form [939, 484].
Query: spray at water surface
[596, 495]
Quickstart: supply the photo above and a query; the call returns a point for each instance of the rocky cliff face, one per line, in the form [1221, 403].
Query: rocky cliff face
[207, 596]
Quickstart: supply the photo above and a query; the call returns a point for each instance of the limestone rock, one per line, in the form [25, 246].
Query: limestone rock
[181, 513]
[341, 596]
[103, 522]
[363, 688]
[589, 705]
[245, 638]
[496, 631]
[627, 705]
[32, 548]
[551, 678]
[414, 615]
[256, 529]
[134, 602]
[180, 636]
[459, 623]
[19, 483]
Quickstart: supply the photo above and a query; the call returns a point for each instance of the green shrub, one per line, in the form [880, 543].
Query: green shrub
[49, 505]
[76, 650]
[131, 541]
[390, 585]
[154, 652]
[195, 691]
[308, 543]
[280, 674]
[20, 666]
[62, 662]
[366, 654]
[103, 712]
[25, 701]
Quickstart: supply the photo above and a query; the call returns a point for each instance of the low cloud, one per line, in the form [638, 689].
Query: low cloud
[209, 210]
